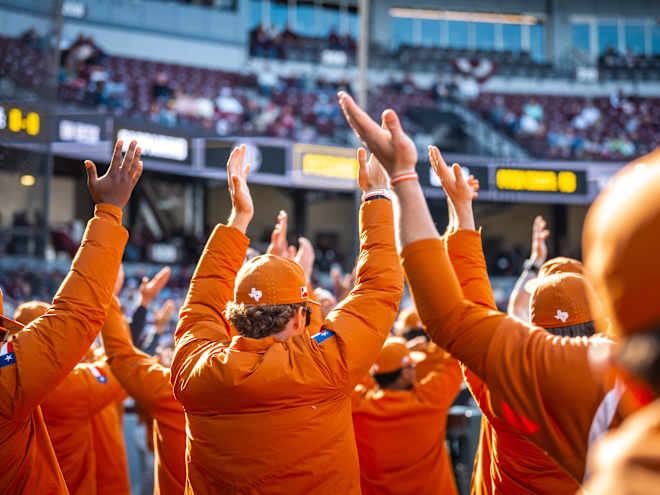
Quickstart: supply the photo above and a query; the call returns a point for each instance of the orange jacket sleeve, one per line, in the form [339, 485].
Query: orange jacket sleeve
[519, 364]
[143, 378]
[202, 317]
[354, 332]
[467, 257]
[49, 347]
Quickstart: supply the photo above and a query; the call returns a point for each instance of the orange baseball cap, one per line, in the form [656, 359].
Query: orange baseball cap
[270, 280]
[30, 311]
[395, 355]
[561, 264]
[620, 246]
[7, 325]
[560, 300]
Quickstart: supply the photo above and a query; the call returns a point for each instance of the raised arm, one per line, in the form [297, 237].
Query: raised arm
[519, 364]
[47, 349]
[519, 300]
[202, 317]
[359, 325]
[143, 378]
[149, 290]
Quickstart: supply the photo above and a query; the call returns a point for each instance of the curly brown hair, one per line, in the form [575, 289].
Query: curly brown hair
[258, 322]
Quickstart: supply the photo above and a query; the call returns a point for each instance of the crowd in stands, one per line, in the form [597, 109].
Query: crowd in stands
[344, 392]
[301, 108]
[572, 127]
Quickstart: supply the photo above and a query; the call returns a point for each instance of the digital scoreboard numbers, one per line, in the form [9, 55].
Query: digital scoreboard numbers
[571, 182]
[21, 123]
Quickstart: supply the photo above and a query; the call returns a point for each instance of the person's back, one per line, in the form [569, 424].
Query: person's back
[35, 359]
[508, 462]
[269, 411]
[400, 426]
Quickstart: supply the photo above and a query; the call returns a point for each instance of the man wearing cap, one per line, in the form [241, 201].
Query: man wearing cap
[620, 246]
[518, 363]
[506, 461]
[268, 406]
[68, 409]
[34, 360]
[400, 426]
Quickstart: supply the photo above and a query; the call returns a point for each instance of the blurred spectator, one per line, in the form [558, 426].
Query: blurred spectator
[587, 117]
[227, 104]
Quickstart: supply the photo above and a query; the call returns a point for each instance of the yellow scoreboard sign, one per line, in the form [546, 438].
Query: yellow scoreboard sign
[20, 122]
[330, 162]
[537, 180]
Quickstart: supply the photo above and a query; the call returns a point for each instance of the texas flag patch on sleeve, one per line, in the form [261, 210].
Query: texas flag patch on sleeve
[98, 374]
[7, 355]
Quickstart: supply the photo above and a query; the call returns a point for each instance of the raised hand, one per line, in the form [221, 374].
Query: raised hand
[163, 316]
[371, 174]
[278, 243]
[116, 186]
[539, 246]
[149, 289]
[393, 148]
[305, 257]
[241, 200]
[458, 189]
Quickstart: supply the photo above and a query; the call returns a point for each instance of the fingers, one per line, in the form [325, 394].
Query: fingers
[130, 155]
[162, 276]
[246, 171]
[137, 172]
[92, 175]
[358, 119]
[458, 174]
[439, 165]
[362, 158]
[131, 167]
[115, 162]
[392, 124]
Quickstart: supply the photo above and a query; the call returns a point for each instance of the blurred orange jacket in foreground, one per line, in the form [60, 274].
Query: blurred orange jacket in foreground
[38, 358]
[87, 390]
[507, 462]
[274, 417]
[540, 384]
[400, 435]
[148, 382]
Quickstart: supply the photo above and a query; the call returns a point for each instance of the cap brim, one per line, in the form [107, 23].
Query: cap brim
[10, 325]
[310, 300]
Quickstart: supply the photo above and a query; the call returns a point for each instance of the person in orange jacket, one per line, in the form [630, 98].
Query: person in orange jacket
[506, 461]
[400, 426]
[517, 362]
[110, 449]
[619, 243]
[268, 406]
[148, 382]
[36, 358]
[67, 410]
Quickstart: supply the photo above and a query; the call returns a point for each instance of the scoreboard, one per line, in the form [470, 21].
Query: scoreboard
[21, 122]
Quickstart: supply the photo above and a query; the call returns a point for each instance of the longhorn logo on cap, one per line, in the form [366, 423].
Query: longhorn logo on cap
[561, 315]
[255, 294]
